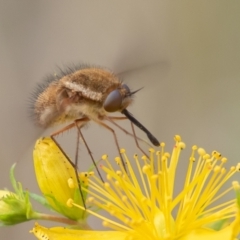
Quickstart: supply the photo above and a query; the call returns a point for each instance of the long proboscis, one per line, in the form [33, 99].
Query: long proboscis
[153, 140]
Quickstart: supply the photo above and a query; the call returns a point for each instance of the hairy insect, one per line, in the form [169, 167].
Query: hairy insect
[85, 94]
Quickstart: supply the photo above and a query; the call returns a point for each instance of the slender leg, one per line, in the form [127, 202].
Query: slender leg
[116, 141]
[68, 127]
[71, 125]
[111, 119]
[88, 149]
[83, 120]
[74, 166]
[136, 141]
[128, 133]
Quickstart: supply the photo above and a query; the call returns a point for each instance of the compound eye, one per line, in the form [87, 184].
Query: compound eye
[127, 88]
[113, 102]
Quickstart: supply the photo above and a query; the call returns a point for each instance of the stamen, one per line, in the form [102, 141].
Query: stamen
[70, 202]
[71, 183]
[135, 202]
[123, 227]
[141, 175]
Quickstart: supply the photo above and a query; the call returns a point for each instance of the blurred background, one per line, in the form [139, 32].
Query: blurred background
[186, 55]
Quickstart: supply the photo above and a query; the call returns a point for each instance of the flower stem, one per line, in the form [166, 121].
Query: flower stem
[43, 216]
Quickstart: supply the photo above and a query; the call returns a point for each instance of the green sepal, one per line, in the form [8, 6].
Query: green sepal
[15, 207]
[40, 199]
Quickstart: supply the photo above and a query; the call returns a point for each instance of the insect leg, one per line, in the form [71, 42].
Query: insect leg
[63, 129]
[83, 120]
[75, 169]
[88, 149]
[116, 141]
[111, 119]
[124, 130]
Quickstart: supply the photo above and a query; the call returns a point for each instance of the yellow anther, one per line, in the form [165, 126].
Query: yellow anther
[119, 173]
[167, 155]
[192, 159]
[146, 168]
[238, 167]
[164, 158]
[206, 156]
[194, 147]
[104, 157]
[151, 150]
[71, 183]
[201, 151]
[216, 154]
[122, 150]
[223, 170]
[182, 145]
[177, 138]
[216, 169]
[117, 160]
[70, 202]
[235, 185]
[224, 160]
[233, 168]
[90, 199]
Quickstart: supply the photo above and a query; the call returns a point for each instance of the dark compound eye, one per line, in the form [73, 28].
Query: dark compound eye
[127, 88]
[113, 102]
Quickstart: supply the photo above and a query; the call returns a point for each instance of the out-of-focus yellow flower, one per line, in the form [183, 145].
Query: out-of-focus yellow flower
[145, 208]
[56, 178]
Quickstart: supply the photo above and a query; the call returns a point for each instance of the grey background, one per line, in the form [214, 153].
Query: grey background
[186, 55]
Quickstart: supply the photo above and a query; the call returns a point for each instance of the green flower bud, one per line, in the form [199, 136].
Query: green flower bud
[14, 209]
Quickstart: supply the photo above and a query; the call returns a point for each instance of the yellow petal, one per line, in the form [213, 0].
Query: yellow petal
[61, 233]
[53, 172]
[207, 234]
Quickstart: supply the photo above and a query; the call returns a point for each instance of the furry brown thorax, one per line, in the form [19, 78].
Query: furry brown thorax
[80, 93]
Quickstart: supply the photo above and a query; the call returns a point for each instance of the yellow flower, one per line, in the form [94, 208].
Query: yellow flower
[56, 178]
[62, 233]
[144, 206]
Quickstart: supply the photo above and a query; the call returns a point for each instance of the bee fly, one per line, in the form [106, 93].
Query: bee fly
[83, 94]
